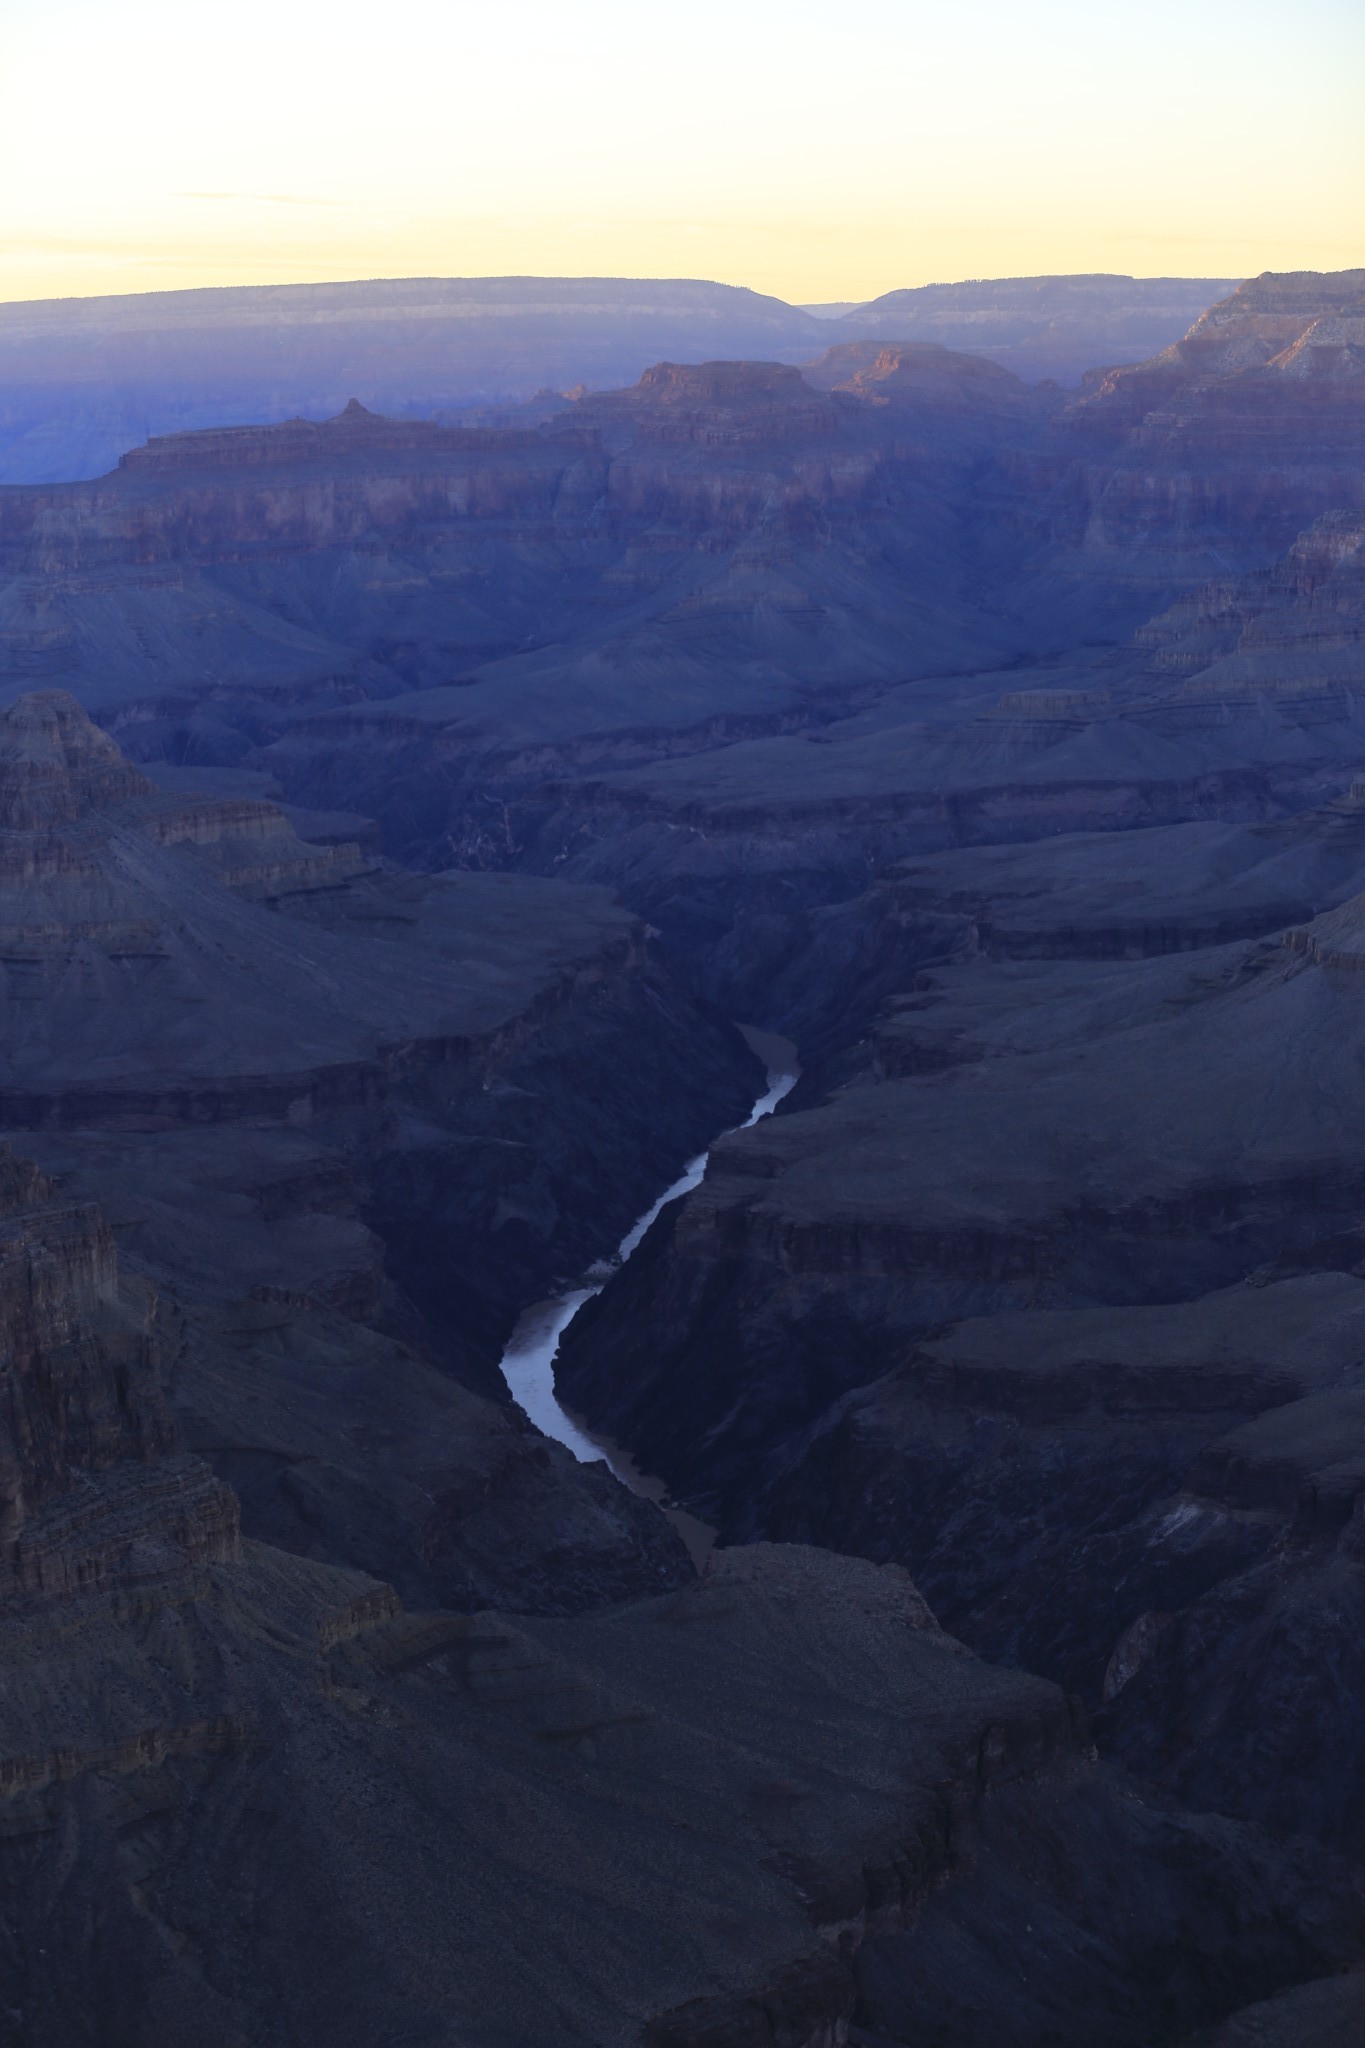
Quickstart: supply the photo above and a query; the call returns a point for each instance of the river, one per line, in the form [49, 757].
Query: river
[528, 1363]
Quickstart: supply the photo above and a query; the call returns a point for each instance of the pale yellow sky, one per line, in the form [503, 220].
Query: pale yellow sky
[806, 152]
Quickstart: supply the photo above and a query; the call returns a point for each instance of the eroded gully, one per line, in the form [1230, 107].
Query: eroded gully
[528, 1363]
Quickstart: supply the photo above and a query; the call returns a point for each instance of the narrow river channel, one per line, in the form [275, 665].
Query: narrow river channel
[528, 1363]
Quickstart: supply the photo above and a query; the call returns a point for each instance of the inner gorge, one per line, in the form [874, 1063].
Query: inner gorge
[528, 1363]
[537, 1515]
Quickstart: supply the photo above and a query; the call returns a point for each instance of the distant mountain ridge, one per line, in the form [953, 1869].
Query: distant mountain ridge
[84, 380]
[1043, 326]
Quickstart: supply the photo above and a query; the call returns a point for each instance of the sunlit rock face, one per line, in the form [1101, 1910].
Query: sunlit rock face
[1249, 428]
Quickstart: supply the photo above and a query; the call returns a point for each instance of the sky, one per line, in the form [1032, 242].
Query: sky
[810, 150]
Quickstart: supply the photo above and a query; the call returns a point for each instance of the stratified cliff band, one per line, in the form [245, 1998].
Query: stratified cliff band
[395, 815]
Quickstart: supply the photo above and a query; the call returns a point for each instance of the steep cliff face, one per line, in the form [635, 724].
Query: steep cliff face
[1295, 322]
[1087, 1132]
[72, 1403]
[84, 379]
[92, 1491]
[716, 405]
[1044, 1284]
[1154, 1504]
[255, 491]
[1288, 640]
[336, 1113]
[1149, 1490]
[244, 1791]
[720, 548]
[290, 1811]
[722, 507]
[1249, 427]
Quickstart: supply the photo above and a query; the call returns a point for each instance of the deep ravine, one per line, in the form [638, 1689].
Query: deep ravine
[529, 1359]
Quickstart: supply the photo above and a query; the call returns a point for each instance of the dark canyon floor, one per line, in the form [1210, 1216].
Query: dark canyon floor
[395, 818]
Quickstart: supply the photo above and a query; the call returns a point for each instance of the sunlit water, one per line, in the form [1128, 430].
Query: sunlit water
[528, 1363]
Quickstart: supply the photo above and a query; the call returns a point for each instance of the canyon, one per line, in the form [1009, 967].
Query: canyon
[398, 817]
[82, 380]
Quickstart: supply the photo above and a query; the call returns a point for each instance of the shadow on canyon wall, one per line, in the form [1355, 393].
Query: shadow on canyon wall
[393, 813]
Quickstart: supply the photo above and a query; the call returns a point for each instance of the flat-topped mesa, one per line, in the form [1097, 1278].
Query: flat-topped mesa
[917, 373]
[225, 494]
[355, 434]
[715, 405]
[55, 764]
[722, 384]
[252, 847]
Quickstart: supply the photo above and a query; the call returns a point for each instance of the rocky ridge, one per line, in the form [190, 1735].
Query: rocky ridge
[1041, 1286]
[244, 1791]
[245, 1794]
[93, 1495]
[302, 1088]
[86, 379]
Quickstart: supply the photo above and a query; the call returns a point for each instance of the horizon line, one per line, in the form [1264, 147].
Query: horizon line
[603, 277]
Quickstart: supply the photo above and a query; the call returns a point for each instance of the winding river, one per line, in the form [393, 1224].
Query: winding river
[528, 1363]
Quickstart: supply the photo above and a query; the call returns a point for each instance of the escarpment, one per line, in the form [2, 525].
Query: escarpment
[96, 1490]
[1054, 1301]
[335, 562]
[1247, 428]
[191, 1726]
[1003, 748]
[187, 1721]
[332, 1111]
[362, 1779]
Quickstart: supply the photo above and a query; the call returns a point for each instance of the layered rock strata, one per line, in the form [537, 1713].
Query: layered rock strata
[247, 1797]
[291, 1811]
[334, 1113]
[1154, 1505]
[95, 1491]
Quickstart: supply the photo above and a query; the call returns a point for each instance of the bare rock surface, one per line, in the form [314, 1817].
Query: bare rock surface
[1056, 327]
[1328, 2014]
[303, 1089]
[87, 378]
[1002, 746]
[296, 1812]
[1149, 1490]
[95, 1492]
[247, 1797]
